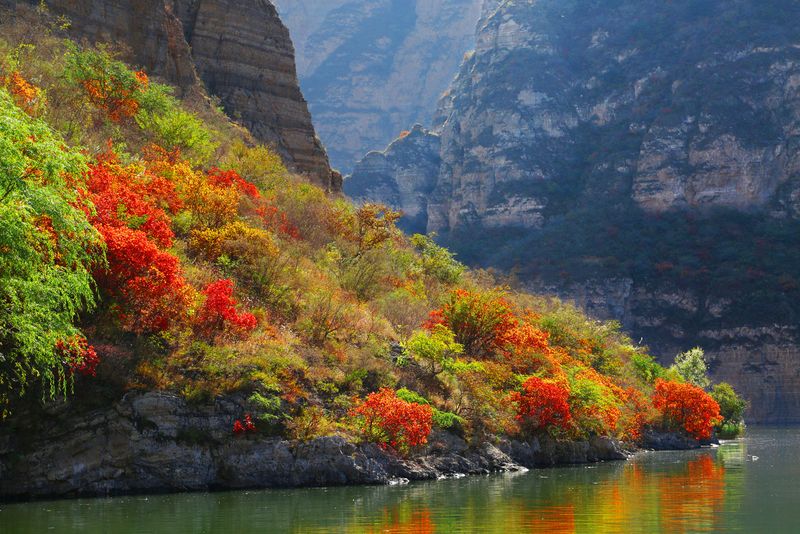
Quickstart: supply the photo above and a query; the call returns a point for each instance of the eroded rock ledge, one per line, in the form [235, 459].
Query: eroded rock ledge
[157, 442]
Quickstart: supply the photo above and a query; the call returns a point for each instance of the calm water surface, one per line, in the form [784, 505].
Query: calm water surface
[716, 490]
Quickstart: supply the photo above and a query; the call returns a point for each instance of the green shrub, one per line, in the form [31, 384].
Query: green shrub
[444, 420]
[730, 430]
[435, 352]
[160, 114]
[647, 368]
[731, 408]
[437, 261]
[267, 409]
[691, 365]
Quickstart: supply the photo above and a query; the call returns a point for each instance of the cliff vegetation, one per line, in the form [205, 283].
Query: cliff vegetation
[148, 244]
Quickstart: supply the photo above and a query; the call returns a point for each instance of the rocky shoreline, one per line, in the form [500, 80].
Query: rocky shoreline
[157, 442]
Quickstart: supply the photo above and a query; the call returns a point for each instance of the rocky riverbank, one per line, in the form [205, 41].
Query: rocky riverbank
[157, 442]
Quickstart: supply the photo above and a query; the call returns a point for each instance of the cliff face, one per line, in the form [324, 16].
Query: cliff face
[240, 52]
[639, 157]
[404, 175]
[671, 105]
[371, 68]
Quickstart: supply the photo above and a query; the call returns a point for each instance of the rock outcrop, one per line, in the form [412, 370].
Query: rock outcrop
[371, 68]
[404, 175]
[640, 157]
[585, 92]
[157, 442]
[239, 52]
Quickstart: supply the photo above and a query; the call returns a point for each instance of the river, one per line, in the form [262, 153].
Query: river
[747, 485]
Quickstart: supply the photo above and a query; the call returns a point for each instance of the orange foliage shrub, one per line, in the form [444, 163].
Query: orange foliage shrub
[543, 404]
[638, 413]
[127, 196]
[25, 94]
[528, 349]
[116, 95]
[483, 322]
[212, 199]
[375, 224]
[686, 406]
[391, 421]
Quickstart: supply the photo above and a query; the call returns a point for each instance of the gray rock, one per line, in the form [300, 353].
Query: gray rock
[155, 442]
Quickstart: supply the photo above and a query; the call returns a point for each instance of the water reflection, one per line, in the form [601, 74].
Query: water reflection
[710, 490]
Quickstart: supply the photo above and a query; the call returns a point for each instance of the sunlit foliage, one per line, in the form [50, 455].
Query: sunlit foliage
[390, 421]
[687, 407]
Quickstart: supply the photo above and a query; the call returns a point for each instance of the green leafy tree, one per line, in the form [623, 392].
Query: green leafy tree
[160, 114]
[435, 351]
[437, 261]
[646, 367]
[47, 248]
[691, 366]
[731, 408]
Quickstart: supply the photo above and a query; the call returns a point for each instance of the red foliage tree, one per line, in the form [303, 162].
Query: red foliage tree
[686, 406]
[221, 178]
[542, 404]
[129, 197]
[78, 355]
[246, 426]
[146, 281]
[481, 321]
[219, 313]
[391, 421]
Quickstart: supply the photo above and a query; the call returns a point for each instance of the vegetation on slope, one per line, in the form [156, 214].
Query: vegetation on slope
[148, 243]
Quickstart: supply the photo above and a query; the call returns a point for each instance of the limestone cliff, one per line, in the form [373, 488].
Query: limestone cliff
[371, 68]
[640, 157]
[667, 104]
[239, 52]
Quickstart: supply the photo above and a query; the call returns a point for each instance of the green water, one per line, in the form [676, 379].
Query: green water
[713, 490]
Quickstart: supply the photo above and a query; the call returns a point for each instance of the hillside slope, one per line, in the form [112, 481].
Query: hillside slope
[640, 158]
[169, 288]
[241, 54]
